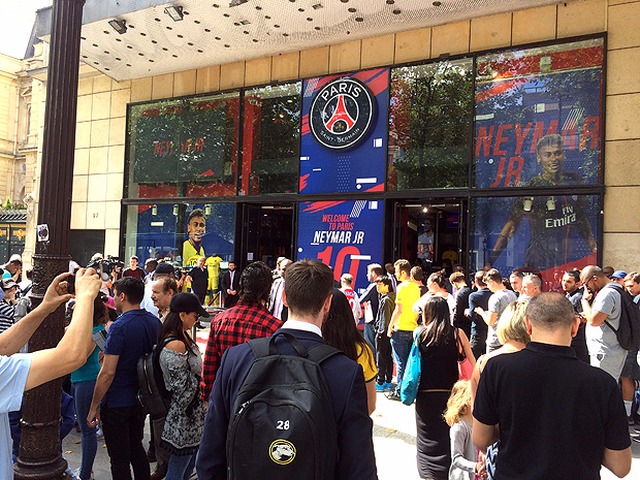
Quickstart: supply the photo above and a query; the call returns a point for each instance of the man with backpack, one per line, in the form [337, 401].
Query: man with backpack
[256, 427]
[608, 323]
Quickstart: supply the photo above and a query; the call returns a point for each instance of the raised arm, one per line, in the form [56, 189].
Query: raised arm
[76, 344]
[14, 338]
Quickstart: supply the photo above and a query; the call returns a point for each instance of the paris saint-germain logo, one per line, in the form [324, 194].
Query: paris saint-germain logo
[342, 113]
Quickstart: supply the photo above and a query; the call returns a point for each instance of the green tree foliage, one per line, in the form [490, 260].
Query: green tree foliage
[430, 125]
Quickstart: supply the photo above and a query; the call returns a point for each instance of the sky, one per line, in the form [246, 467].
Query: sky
[14, 33]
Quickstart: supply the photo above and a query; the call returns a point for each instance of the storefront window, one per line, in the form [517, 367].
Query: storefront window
[430, 125]
[548, 233]
[538, 116]
[181, 233]
[271, 139]
[185, 148]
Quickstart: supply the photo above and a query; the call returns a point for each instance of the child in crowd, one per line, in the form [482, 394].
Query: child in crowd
[463, 453]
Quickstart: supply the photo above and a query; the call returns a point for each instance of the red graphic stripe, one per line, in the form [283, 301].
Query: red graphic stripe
[376, 188]
[498, 90]
[305, 128]
[303, 181]
[367, 75]
[530, 65]
[378, 84]
[315, 207]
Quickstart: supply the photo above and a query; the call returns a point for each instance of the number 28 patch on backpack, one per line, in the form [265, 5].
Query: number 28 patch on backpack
[283, 425]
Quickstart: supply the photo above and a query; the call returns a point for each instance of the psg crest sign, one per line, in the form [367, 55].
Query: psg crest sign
[342, 113]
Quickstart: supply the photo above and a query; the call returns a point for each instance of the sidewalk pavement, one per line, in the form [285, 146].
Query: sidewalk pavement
[394, 435]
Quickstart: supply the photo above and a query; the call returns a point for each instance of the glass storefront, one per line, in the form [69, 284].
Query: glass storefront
[430, 123]
[184, 148]
[271, 140]
[357, 168]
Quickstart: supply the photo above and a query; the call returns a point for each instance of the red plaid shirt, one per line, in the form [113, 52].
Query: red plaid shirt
[230, 328]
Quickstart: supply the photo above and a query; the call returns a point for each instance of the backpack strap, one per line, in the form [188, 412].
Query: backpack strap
[616, 288]
[259, 346]
[263, 347]
[322, 352]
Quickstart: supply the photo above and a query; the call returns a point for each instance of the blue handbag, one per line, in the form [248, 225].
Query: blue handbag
[411, 375]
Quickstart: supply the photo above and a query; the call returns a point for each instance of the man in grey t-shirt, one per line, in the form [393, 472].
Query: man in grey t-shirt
[497, 303]
[604, 350]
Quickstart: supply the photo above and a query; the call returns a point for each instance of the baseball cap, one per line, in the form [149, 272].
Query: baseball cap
[164, 267]
[8, 283]
[618, 274]
[187, 302]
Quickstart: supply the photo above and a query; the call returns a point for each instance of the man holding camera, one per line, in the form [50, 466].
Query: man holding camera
[22, 372]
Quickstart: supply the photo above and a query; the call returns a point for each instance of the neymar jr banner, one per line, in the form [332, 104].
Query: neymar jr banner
[538, 118]
[347, 235]
[344, 132]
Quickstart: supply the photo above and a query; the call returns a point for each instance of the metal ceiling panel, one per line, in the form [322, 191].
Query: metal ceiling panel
[213, 32]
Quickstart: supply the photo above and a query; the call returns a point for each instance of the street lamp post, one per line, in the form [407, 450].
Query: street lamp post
[40, 455]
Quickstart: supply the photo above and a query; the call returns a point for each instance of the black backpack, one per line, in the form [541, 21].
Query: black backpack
[282, 424]
[153, 394]
[628, 333]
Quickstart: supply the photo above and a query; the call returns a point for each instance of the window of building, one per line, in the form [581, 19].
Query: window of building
[548, 233]
[430, 125]
[271, 139]
[538, 116]
[180, 232]
[184, 148]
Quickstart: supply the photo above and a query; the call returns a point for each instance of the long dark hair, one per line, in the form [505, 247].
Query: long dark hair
[100, 311]
[172, 327]
[339, 329]
[437, 322]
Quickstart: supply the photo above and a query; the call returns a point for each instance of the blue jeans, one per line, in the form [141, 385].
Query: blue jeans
[82, 396]
[401, 341]
[370, 335]
[180, 467]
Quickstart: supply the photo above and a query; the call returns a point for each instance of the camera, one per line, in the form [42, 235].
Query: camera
[104, 267]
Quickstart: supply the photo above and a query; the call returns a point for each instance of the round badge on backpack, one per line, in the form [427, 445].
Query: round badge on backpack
[282, 452]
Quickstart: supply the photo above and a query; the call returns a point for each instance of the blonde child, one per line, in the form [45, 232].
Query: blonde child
[458, 416]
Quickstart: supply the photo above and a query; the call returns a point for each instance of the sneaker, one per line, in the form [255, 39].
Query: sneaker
[381, 387]
[388, 386]
[77, 475]
[393, 395]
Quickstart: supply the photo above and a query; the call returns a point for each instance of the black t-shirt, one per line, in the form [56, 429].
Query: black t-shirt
[556, 414]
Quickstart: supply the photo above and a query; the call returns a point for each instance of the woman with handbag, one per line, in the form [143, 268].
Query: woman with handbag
[438, 344]
[181, 365]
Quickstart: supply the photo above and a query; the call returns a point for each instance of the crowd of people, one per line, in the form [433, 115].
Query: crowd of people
[548, 368]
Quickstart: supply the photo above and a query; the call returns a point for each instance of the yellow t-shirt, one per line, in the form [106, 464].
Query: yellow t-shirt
[408, 293]
[366, 361]
[213, 266]
[189, 255]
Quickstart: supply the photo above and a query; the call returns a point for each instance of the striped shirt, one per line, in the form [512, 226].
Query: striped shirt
[6, 316]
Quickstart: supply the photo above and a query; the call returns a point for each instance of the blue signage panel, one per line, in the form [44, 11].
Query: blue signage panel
[347, 235]
[344, 132]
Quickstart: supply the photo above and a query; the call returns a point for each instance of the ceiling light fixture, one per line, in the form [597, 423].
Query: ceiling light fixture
[175, 12]
[119, 26]
[235, 3]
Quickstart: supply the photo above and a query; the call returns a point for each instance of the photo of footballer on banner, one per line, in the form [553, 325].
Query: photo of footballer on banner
[346, 235]
[533, 131]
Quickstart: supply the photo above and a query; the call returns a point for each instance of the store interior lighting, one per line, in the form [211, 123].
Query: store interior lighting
[175, 12]
[119, 26]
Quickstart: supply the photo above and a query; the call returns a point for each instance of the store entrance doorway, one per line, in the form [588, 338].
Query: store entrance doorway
[267, 233]
[429, 233]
